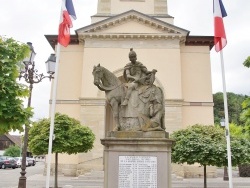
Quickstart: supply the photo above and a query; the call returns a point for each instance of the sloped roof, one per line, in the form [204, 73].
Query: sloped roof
[16, 139]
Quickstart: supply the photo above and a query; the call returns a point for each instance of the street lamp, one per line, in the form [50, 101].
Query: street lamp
[30, 75]
[225, 176]
[222, 123]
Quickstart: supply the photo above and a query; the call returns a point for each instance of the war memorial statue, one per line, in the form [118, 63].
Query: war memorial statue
[137, 152]
[137, 104]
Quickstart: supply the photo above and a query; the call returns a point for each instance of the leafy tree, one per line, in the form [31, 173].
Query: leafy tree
[13, 151]
[70, 137]
[234, 106]
[246, 63]
[240, 147]
[237, 131]
[12, 113]
[245, 114]
[245, 117]
[218, 107]
[206, 145]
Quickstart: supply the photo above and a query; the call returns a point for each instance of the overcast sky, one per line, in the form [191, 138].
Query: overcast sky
[30, 20]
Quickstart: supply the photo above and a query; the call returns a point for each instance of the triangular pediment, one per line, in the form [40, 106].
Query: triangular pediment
[132, 23]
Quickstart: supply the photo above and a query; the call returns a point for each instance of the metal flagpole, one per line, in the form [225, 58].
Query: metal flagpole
[53, 107]
[52, 116]
[227, 131]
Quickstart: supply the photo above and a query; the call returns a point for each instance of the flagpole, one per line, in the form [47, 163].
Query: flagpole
[52, 116]
[53, 107]
[227, 131]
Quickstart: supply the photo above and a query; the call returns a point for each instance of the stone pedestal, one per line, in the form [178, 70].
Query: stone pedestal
[137, 159]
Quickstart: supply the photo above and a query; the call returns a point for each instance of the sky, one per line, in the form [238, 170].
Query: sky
[30, 20]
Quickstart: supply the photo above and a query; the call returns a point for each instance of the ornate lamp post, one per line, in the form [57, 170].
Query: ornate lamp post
[30, 75]
[225, 176]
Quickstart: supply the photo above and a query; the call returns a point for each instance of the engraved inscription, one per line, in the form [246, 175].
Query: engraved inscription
[137, 172]
[134, 0]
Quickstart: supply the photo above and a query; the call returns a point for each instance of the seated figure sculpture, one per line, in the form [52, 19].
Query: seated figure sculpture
[135, 74]
[138, 104]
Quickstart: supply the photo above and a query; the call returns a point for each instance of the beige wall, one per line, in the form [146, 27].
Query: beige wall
[132, 27]
[69, 79]
[70, 72]
[196, 85]
[93, 117]
[166, 61]
[145, 6]
[196, 74]
[118, 6]
[198, 115]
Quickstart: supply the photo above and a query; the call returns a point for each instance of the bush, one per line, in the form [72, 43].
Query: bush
[13, 151]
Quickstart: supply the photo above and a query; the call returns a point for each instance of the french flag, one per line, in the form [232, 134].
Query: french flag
[220, 40]
[68, 14]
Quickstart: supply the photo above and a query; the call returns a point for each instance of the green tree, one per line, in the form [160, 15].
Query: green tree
[70, 137]
[206, 145]
[234, 107]
[13, 151]
[12, 112]
[240, 149]
[246, 63]
[240, 145]
[245, 115]
[218, 107]
[237, 131]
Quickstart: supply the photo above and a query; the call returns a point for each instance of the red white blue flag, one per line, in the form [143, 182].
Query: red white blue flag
[68, 14]
[220, 40]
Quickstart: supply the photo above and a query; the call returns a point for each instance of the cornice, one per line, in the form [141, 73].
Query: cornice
[139, 36]
[53, 40]
[190, 40]
[200, 41]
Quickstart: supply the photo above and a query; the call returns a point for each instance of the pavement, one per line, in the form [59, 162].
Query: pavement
[96, 181]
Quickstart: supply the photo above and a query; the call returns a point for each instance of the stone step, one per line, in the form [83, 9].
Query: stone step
[89, 186]
[93, 175]
[96, 173]
[175, 177]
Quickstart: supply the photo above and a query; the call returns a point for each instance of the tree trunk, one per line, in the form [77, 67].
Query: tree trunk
[56, 170]
[225, 176]
[205, 176]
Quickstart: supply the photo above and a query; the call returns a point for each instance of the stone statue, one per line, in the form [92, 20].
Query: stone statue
[137, 105]
[135, 74]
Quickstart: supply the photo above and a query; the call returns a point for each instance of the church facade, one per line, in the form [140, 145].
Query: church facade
[182, 62]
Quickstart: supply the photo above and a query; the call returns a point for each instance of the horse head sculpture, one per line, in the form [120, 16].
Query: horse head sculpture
[113, 87]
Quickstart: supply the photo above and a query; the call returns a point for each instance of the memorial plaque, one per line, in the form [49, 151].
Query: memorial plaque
[137, 172]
